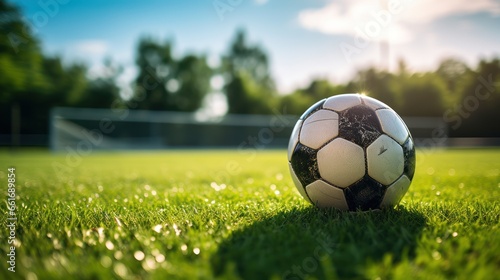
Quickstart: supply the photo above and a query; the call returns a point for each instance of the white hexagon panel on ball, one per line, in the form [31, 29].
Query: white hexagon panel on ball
[385, 160]
[374, 103]
[324, 195]
[395, 192]
[319, 128]
[341, 102]
[392, 125]
[341, 162]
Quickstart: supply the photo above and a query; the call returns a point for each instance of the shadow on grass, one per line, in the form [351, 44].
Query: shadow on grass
[324, 244]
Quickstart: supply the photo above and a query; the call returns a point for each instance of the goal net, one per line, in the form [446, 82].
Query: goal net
[107, 129]
[137, 129]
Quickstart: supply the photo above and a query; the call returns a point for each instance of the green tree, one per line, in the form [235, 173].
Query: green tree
[193, 76]
[422, 95]
[452, 71]
[101, 91]
[476, 114]
[31, 83]
[68, 84]
[167, 83]
[378, 84]
[22, 83]
[298, 101]
[245, 96]
[249, 87]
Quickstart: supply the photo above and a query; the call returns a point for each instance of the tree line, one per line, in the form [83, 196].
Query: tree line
[31, 83]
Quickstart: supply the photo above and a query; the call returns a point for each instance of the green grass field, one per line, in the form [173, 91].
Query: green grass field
[228, 215]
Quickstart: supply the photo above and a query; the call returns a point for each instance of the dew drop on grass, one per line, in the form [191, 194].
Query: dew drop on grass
[454, 234]
[160, 258]
[79, 243]
[276, 192]
[147, 187]
[149, 264]
[57, 245]
[436, 255]
[118, 222]
[120, 269]
[139, 255]
[184, 247]
[273, 187]
[106, 261]
[110, 245]
[279, 176]
[438, 193]
[196, 251]
[439, 240]
[176, 229]
[31, 276]
[118, 255]
[157, 228]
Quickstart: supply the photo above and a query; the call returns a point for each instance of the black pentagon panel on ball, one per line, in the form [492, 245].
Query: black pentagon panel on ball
[305, 164]
[359, 124]
[365, 194]
[317, 106]
[409, 158]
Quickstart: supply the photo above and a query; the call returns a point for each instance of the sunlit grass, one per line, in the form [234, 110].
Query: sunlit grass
[209, 214]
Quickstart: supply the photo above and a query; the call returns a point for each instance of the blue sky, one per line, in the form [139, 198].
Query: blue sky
[304, 38]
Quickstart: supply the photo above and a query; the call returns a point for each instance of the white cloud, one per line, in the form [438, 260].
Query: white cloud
[91, 47]
[347, 17]
[424, 11]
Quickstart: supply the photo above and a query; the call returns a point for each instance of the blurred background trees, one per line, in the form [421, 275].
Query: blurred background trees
[31, 83]
[249, 87]
[169, 83]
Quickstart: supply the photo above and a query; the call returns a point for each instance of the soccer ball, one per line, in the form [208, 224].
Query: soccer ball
[351, 152]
